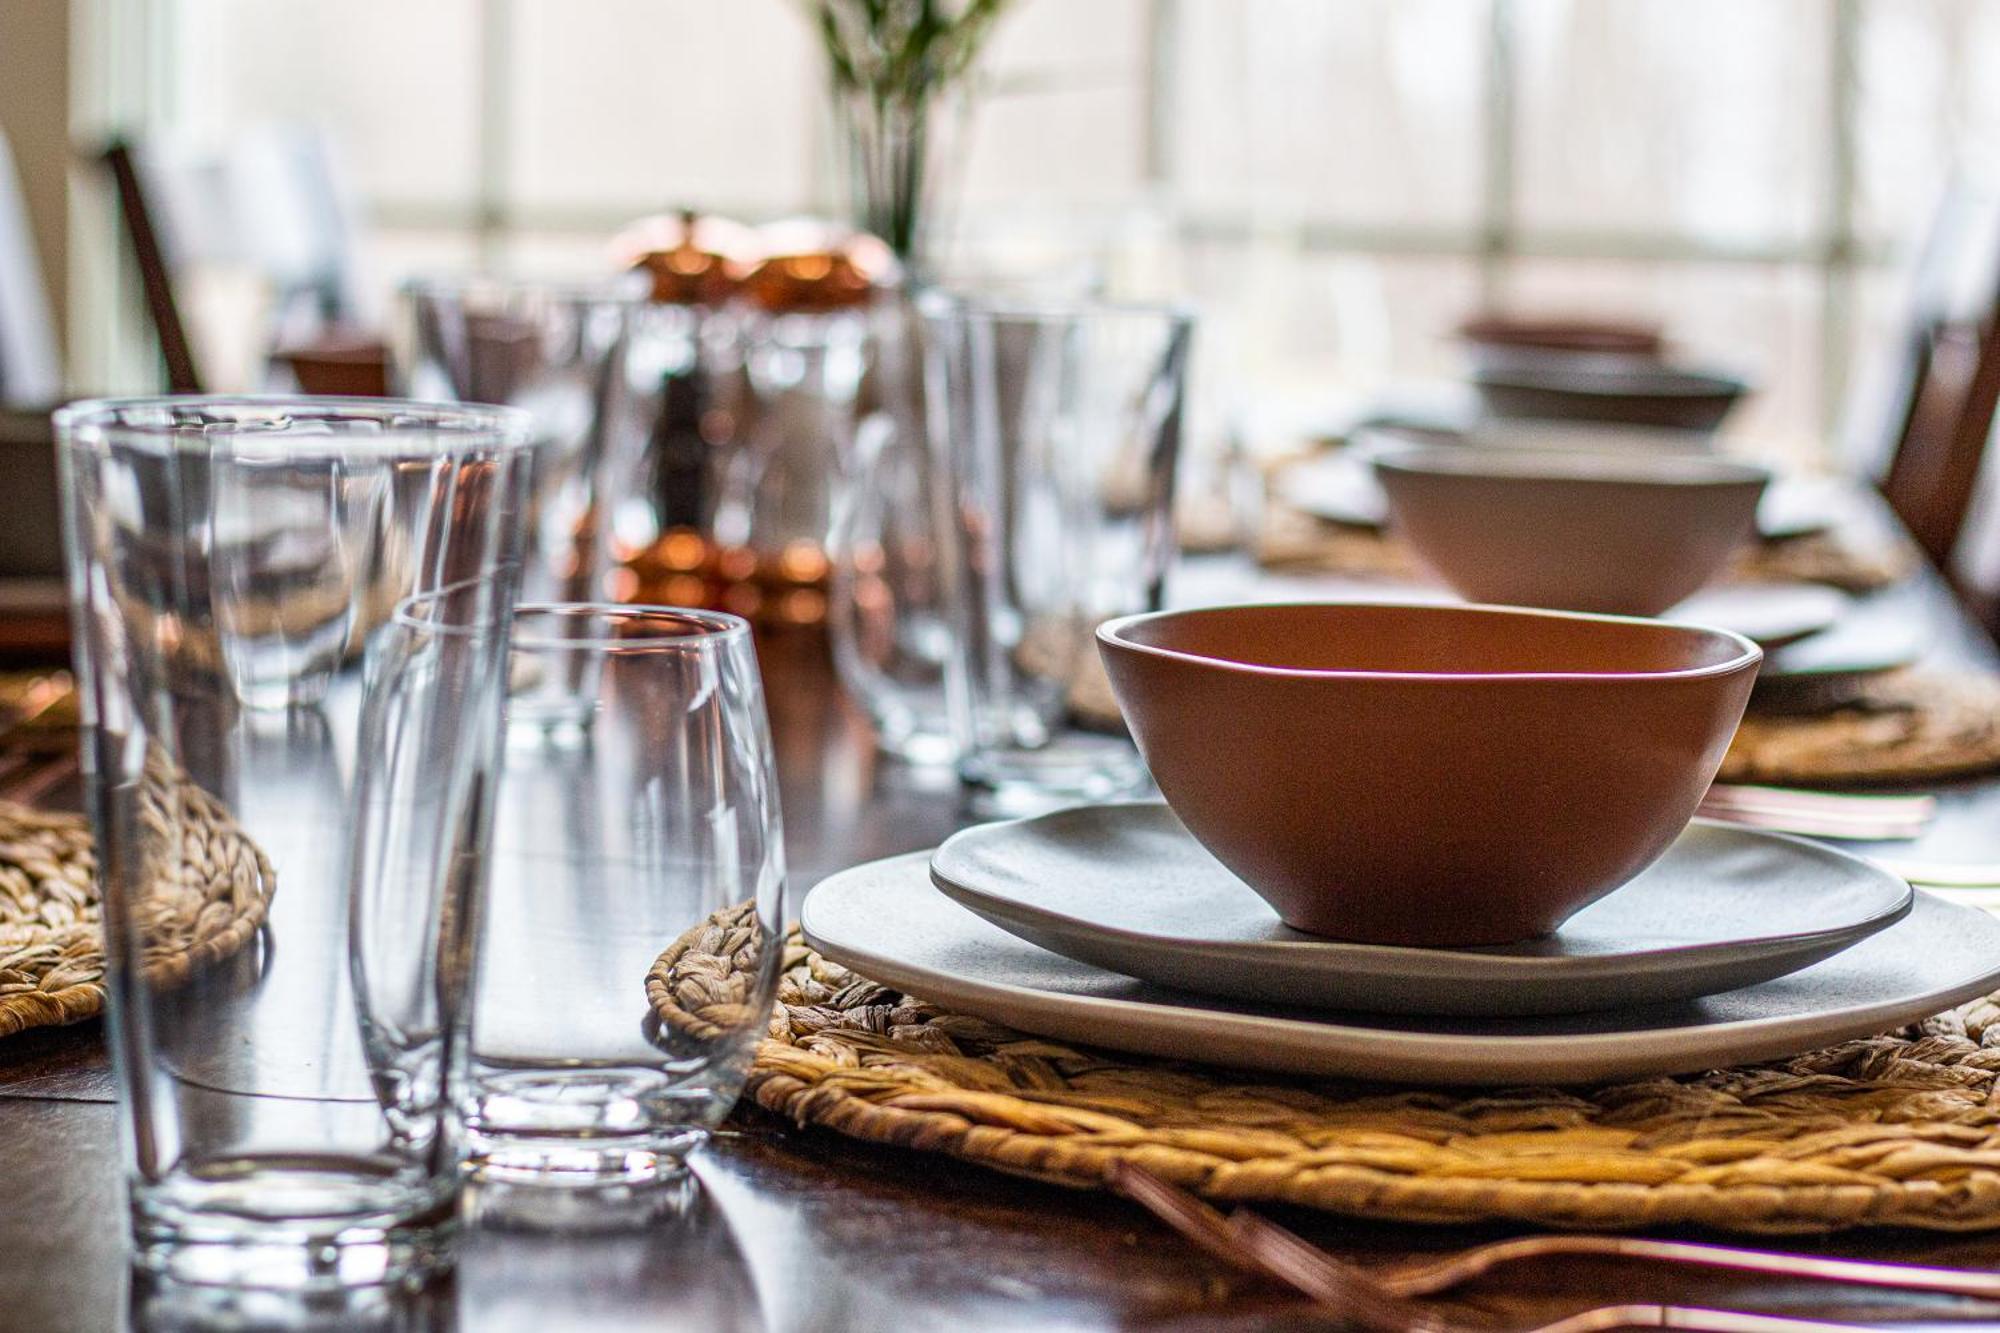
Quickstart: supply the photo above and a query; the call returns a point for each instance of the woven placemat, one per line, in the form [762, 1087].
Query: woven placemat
[1896, 1130]
[1907, 726]
[1838, 560]
[199, 909]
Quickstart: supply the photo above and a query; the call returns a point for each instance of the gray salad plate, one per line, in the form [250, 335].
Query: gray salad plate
[1127, 888]
[887, 922]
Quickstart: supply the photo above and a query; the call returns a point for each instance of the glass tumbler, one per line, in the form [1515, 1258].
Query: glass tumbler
[558, 352]
[1055, 430]
[222, 701]
[651, 810]
[886, 615]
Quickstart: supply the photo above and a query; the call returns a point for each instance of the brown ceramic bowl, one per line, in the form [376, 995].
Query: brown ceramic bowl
[1428, 775]
[1628, 533]
[1563, 337]
[1559, 388]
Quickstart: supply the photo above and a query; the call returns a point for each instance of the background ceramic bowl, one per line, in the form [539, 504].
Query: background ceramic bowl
[1566, 389]
[1629, 533]
[1497, 342]
[1428, 775]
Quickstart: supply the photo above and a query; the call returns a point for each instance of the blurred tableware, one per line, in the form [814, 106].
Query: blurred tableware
[1057, 429]
[1560, 389]
[224, 554]
[557, 351]
[888, 922]
[888, 621]
[1589, 437]
[1806, 505]
[1501, 339]
[1833, 668]
[1125, 887]
[1340, 486]
[689, 259]
[1421, 774]
[1576, 532]
[802, 378]
[656, 806]
[1770, 615]
[341, 364]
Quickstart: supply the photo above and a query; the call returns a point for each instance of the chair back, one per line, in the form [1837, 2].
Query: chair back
[247, 253]
[1947, 382]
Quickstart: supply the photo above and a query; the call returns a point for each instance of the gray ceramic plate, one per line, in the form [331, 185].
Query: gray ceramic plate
[1826, 670]
[1126, 887]
[886, 921]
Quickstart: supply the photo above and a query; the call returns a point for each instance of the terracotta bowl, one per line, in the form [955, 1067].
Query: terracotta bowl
[1428, 775]
[1627, 533]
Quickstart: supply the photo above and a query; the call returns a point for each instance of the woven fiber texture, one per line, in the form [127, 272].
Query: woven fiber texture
[1832, 558]
[1897, 1130]
[1908, 726]
[200, 908]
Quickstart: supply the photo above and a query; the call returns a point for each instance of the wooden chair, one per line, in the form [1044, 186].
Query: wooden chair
[270, 205]
[1949, 376]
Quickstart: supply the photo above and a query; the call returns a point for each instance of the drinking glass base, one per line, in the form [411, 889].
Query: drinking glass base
[627, 1190]
[1074, 771]
[295, 1224]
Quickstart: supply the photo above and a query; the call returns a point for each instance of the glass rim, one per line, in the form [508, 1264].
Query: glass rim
[433, 427]
[629, 289]
[710, 628]
[942, 303]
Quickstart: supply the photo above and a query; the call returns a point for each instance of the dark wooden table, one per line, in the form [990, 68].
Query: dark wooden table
[791, 1230]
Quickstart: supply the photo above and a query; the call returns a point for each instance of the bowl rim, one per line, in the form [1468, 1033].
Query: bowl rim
[1520, 464]
[1748, 656]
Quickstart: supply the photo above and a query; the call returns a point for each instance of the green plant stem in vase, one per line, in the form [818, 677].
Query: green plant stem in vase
[894, 65]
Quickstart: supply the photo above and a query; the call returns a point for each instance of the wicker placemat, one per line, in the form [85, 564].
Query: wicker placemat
[200, 909]
[1907, 726]
[1896, 1130]
[1838, 560]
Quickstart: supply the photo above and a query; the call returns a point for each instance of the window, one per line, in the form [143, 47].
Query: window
[1335, 183]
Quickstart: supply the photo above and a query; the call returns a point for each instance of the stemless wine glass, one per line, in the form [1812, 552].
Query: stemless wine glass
[1056, 429]
[650, 809]
[557, 351]
[220, 710]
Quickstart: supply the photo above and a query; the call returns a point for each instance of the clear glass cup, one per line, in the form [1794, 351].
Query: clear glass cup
[558, 351]
[651, 807]
[257, 1150]
[1055, 429]
[887, 620]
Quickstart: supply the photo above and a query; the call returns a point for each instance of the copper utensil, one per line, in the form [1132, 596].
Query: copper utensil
[1429, 1276]
[1254, 1243]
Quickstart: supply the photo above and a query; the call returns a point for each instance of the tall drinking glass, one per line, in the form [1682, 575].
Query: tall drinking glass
[651, 809]
[228, 559]
[558, 352]
[1055, 430]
